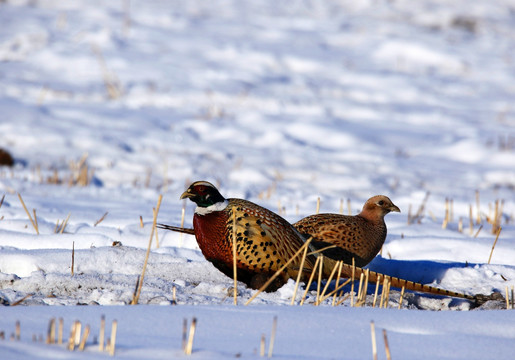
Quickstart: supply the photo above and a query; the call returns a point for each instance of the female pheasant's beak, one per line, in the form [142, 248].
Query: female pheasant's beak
[394, 208]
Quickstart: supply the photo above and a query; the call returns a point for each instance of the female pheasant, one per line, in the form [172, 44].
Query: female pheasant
[264, 240]
[360, 237]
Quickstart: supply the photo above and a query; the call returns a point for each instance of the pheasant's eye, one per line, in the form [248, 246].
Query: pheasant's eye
[380, 203]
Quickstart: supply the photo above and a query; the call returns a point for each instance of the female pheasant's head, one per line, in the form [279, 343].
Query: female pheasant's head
[377, 207]
[206, 196]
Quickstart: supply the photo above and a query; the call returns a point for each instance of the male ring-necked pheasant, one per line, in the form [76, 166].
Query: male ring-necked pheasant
[264, 240]
[360, 237]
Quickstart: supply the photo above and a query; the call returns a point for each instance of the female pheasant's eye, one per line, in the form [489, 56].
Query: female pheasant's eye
[380, 203]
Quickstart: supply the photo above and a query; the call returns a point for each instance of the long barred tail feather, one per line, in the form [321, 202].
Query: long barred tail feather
[177, 229]
[413, 286]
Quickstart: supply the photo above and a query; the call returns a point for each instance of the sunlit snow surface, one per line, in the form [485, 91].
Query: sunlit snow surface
[278, 102]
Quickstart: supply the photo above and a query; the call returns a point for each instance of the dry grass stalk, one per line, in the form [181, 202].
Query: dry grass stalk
[360, 287]
[478, 230]
[35, 218]
[262, 346]
[340, 265]
[17, 331]
[420, 212]
[460, 225]
[507, 297]
[60, 331]
[318, 206]
[451, 211]
[386, 346]
[81, 175]
[111, 83]
[493, 246]
[278, 272]
[101, 336]
[78, 332]
[512, 297]
[183, 211]
[73, 257]
[174, 295]
[446, 217]
[349, 208]
[374, 343]
[336, 290]
[189, 344]
[328, 282]
[50, 338]
[319, 282]
[18, 302]
[318, 251]
[297, 282]
[142, 277]
[234, 259]
[112, 343]
[383, 292]
[341, 206]
[310, 280]
[501, 210]
[272, 338]
[387, 296]
[478, 214]
[136, 287]
[156, 232]
[148, 178]
[2, 200]
[71, 339]
[409, 214]
[101, 219]
[352, 282]
[28, 214]
[84, 338]
[342, 300]
[184, 334]
[402, 296]
[365, 287]
[61, 228]
[471, 221]
[141, 225]
[496, 219]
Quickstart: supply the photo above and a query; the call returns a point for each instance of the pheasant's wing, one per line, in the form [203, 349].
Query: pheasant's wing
[341, 232]
[264, 240]
[336, 229]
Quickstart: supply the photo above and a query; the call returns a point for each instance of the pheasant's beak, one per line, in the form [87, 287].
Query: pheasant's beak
[187, 194]
[392, 208]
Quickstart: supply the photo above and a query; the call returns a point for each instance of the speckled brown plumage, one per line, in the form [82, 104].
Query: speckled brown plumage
[264, 240]
[359, 237]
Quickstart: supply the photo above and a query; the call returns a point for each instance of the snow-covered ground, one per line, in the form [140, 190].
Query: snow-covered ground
[278, 102]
